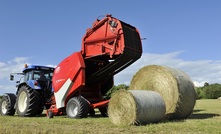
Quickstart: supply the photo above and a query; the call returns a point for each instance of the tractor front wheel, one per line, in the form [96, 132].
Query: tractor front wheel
[7, 104]
[77, 107]
[28, 102]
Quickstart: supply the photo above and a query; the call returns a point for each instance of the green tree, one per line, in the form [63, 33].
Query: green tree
[212, 91]
[209, 91]
[206, 84]
[115, 88]
[199, 91]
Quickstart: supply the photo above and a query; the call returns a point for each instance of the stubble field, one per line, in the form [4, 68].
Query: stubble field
[206, 118]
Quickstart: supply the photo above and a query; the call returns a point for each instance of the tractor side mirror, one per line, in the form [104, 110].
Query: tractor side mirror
[11, 77]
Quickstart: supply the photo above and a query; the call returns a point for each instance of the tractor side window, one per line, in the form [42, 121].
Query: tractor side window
[51, 74]
[28, 76]
[41, 75]
[22, 79]
[36, 75]
[48, 75]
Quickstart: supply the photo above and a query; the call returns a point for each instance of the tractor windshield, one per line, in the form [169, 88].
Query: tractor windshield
[42, 75]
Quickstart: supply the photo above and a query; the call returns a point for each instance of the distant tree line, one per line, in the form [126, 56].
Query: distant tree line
[209, 91]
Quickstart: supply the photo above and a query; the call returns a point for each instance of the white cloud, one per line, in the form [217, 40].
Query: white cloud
[20, 60]
[6, 68]
[13, 66]
[199, 71]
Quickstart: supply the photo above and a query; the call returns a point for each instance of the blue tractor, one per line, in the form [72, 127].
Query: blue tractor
[34, 90]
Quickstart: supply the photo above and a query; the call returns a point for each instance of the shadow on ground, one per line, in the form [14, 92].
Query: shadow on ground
[197, 115]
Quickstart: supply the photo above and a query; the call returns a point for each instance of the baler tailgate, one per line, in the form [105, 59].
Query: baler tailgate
[132, 51]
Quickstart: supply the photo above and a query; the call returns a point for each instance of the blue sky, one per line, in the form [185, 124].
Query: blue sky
[181, 34]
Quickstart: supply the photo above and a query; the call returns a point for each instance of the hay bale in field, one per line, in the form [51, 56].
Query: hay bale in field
[136, 107]
[219, 98]
[174, 86]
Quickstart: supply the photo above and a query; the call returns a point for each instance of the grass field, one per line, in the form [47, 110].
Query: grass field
[206, 119]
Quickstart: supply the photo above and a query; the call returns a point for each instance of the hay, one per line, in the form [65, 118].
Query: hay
[136, 107]
[174, 86]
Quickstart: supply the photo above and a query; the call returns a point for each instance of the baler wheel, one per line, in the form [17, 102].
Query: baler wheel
[103, 111]
[7, 104]
[91, 112]
[28, 102]
[77, 107]
[50, 114]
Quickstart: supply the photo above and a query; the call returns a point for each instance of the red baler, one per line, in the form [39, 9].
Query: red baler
[81, 80]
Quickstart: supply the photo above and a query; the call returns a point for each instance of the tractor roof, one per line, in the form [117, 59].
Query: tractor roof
[37, 67]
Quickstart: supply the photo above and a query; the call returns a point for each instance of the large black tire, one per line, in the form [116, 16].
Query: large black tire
[103, 111]
[7, 104]
[91, 112]
[41, 103]
[77, 107]
[40, 110]
[28, 102]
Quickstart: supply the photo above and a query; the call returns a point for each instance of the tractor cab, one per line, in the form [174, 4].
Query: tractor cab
[34, 91]
[35, 76]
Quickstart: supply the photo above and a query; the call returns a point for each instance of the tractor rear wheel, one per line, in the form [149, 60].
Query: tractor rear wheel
[7, 104]
[40, 110]
[41, 103]
[28, 102]
[77, 107]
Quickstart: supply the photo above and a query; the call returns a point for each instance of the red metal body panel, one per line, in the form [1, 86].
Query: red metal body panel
[72, 68]
[103, 39]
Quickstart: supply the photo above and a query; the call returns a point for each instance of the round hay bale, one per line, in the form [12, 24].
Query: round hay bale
[174, 86]
[136, 107]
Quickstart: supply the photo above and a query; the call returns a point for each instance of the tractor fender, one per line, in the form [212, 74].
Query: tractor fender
[29, 83]
[20, 85]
